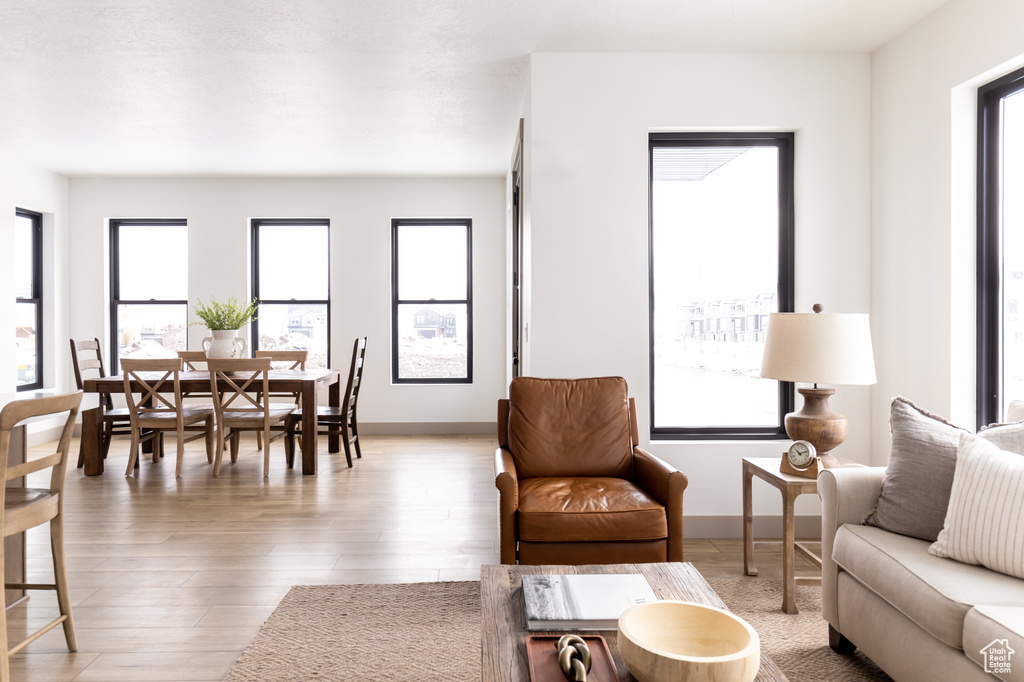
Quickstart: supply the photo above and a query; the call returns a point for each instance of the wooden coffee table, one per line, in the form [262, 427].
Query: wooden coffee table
[503, 636]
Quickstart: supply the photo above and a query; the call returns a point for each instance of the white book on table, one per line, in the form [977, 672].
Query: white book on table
[582, 602]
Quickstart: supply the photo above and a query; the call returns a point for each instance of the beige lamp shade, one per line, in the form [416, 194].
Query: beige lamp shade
[819, 348]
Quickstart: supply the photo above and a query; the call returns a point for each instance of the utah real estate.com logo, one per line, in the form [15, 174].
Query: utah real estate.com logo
[997, 657]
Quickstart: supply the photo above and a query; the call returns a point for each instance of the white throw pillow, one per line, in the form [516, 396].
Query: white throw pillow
[985, 520]
[1015, 412]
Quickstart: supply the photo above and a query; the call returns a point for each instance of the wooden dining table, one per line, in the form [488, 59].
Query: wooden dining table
[305, 382]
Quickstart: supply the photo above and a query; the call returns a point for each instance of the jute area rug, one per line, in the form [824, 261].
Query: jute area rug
[431, 631]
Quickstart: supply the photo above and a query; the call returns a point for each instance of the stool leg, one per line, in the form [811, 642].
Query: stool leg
[5, 666]
[61, 579]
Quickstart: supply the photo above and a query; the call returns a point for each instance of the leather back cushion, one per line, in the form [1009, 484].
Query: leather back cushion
[570, 427]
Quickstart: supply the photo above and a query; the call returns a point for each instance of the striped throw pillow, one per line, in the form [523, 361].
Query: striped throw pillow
[985, 520]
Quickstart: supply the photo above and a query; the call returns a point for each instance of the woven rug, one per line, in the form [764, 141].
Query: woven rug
[431, 631]
[798, 643]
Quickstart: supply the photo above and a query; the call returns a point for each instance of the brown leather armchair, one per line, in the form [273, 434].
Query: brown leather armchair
[574, 488]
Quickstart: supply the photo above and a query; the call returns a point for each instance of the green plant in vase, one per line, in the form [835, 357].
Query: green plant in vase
[224, 320]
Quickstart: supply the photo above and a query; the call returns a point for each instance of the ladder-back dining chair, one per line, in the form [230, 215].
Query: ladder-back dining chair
[342, 420]
[87, 356]
[26, 508]
[159, 409]
[240, 388]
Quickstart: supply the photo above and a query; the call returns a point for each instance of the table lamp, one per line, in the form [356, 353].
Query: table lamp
[827, 348]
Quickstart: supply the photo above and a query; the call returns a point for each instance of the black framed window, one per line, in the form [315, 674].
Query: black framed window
[721, 260]
[148, 304]
[1000, 246]
[432, 300]
[291, 280]
[28, 315]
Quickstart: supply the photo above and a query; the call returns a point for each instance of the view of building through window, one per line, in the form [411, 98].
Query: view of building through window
[150, 310]
[1012, 247]
[432, 303]
[292, 282]
[715, 239]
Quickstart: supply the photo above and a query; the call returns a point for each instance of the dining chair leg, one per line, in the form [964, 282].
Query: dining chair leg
[105, 439]
[60, 579]
[211, 440]
[289, 441]
[259, 440]
[81, 452]
[266, 452]
[181, 450]
[219, 451]
[236, 439]
[355, 437]
[345, 441]
[133, 453]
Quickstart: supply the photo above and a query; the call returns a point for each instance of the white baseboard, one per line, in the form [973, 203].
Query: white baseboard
[765, 527]
[427, 428]
[396, 429]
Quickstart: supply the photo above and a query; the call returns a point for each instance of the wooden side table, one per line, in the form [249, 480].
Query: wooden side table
[791, 487]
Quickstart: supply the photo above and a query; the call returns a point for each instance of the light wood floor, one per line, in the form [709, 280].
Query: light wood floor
[172, 578]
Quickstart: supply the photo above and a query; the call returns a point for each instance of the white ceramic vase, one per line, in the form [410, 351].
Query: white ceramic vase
[225, 343]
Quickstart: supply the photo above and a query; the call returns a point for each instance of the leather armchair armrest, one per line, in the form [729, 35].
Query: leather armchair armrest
[507, 482]
[666, 484]
[848, 495]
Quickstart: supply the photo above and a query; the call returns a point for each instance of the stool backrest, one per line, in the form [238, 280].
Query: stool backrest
[18, 411]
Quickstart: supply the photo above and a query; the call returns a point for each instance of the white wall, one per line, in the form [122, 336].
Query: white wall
[923, 216]
[218, 213]
[588, 121]
[23, 186]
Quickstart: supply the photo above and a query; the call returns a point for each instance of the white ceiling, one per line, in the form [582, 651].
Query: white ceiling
[345, 87]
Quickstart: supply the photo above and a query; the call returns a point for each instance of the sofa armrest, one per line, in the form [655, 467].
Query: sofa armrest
[507, 482]
[665, 484]
[848, 495]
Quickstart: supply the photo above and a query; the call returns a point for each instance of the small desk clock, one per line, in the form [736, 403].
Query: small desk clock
[802, 460]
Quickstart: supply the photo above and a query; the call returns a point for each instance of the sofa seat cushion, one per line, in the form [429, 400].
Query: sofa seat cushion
[587, 509]
[933, 592]
[987, 629]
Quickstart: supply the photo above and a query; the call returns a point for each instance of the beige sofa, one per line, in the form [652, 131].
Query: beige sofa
[918, 616]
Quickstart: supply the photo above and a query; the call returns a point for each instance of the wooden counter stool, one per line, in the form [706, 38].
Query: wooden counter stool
[26, 508]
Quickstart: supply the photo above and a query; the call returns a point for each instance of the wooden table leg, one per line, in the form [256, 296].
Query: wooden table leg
[788, 540]
[309, 438]
[92, 427]
[334, 400]
[748, 522]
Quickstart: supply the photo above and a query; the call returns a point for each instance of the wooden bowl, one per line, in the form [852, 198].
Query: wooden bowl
[678, 641]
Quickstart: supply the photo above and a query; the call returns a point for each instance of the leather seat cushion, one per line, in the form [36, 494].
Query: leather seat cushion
[596, 509]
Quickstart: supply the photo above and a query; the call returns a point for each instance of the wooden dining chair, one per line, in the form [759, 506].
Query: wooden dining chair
[193, 360]
[159, 409]
[241, 389]
[26, 508]
[283, 359]
[342, 420]
[87, 356]
[286, 359]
